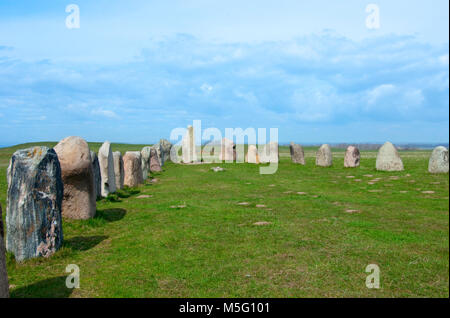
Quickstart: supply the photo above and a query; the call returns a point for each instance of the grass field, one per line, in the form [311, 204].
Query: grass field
[210, 247]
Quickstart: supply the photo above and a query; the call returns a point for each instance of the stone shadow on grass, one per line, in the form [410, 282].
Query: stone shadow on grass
[48, 288]
[84, 243]
[111, 215]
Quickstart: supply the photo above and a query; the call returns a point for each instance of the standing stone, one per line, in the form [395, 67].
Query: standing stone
[97, 176]
[118, 169]
[145, 161]
[439, 160]
[297, 153]
[78, 178]
[106, 161]
[34, 200]
[189, 153]
[2, 229]
[132, 169]
[4, 285]
[227, 150]
[352, 157]
[324, 158]
[154, 161]
[252, 155]
[269, 153]
[388, 158]
[158, 150]
[164, 147]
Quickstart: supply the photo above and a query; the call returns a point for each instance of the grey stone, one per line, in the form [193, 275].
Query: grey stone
[269, 153]
[297, 153]
[34, 203]
[165, 146]
[4, 285]
[324, 157]
[106, 161]
[118, 169]
[145, 161]
[388, 158]
[439, 160]
[189, 148]
[97, 177]
[352, 157]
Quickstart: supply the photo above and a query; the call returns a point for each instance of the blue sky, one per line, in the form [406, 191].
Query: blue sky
[135, 70]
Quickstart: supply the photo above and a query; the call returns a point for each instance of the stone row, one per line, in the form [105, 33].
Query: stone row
[46, 184]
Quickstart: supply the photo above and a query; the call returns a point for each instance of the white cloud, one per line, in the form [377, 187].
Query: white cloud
[443, 59]
[105, 113]
[206, 88]
[380, 91]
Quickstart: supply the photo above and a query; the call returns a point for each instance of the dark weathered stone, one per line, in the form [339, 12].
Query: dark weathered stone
[163, 149]
[4, 285]
[97, 176]
[297, 153]
[145, 162]
[34, 201]
[118, 169]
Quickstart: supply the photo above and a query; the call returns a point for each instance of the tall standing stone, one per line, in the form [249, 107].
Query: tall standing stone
[352, 157]
[34, 201]
[145, 161]
[252, 155]
[269, 153]
[439, 160]
[297, 153]
[106, 161]
[164, 147]
[159, 153]
[227, 150]
[78, 178]
[118, 169]
[324, 157]
[154, 161]
[189, 153]
[97, 176]
[388, 158]
[4, 285]
[132, 169]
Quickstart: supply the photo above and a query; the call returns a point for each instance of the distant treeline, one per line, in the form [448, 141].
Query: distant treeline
[374, 146]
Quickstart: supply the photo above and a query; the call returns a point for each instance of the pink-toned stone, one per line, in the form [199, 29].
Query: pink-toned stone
[78, 178]
[132, 169]
[352, 157]
[155, 165]
[227, 150]
[252, 155]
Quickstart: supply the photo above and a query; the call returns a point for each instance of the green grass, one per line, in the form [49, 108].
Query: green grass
[141, 247]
